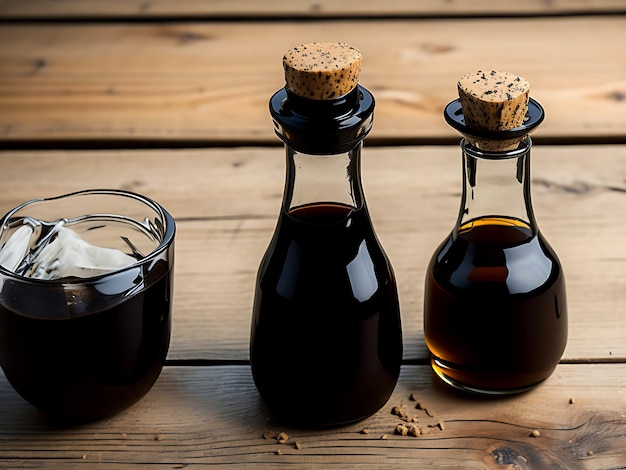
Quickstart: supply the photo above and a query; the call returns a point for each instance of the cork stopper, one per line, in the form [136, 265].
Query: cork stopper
[494, 101]
[322, 70]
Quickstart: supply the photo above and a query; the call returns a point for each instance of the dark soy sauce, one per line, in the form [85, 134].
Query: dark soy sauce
[495, 308]
[91, 366]
[326, 342]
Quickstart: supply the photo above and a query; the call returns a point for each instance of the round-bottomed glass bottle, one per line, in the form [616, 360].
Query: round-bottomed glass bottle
[495, 313]
[326, 340]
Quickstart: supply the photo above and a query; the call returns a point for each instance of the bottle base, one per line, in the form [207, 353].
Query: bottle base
[308, 407]
[296, 420]
[451, 376]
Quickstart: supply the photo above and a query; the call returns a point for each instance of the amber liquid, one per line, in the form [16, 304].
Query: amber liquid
[92, 366]
[326, 342]
[495, 316]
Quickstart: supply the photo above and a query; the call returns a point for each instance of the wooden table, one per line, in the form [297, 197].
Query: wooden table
[169, 99]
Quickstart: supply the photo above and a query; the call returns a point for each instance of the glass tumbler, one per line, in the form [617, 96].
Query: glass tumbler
[85, 300]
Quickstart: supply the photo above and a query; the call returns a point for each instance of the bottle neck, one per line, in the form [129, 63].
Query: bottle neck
[496, 188]
[323, 179]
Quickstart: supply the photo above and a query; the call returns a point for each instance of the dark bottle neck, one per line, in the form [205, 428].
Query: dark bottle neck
[323, 140]
[496, 187]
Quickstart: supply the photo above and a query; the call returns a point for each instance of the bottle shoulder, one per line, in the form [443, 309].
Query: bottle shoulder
[502, 259]
[320, 250]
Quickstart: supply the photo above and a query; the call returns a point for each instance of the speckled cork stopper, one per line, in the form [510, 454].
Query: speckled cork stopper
[322, 70]
[496, 101]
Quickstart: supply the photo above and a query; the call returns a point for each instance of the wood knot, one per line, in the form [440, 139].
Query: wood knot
[508, 456]
[187, 37]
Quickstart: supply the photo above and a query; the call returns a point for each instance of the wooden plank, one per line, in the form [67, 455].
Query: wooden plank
[226, 202]
[63, 9]
[209, 83]
[202, 416]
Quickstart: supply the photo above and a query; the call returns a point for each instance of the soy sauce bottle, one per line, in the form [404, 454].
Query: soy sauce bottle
[495, 313]
[326, 340]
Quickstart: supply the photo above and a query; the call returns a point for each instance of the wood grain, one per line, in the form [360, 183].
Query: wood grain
[226, 202]
[208, 83]
[200, 416]
[63, 9]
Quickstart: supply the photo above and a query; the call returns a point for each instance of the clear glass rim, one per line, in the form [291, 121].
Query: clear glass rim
[473, 151]
[169, 231]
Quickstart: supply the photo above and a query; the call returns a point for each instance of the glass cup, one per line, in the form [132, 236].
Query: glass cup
[85, 330]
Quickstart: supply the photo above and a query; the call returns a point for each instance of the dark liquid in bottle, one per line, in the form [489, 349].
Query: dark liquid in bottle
[90, 366]
[495, 317]
[326, 336]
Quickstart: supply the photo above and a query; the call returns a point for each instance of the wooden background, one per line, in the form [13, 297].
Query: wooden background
[169, 99]
[139, 79]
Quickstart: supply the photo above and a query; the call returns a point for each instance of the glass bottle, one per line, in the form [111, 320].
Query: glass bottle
[495, 314]
[326, 341]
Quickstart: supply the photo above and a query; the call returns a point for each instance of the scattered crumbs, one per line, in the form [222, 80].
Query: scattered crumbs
[590, 452]
[383, 437]
[85, 456]
[413, 430]
[282, 438]
[413, 397]
[399, 412]
[124, 435]
[420, 406]
[426, 430]
[442, 425]
[401, 430]
[572, 401]
[365, 431]
[278, 452]
[158, 437]
[535, 433]
[297, 445]
[269, 435]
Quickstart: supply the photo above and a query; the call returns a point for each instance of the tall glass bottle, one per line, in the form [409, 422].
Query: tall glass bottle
[326, 341]
[495, 314]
